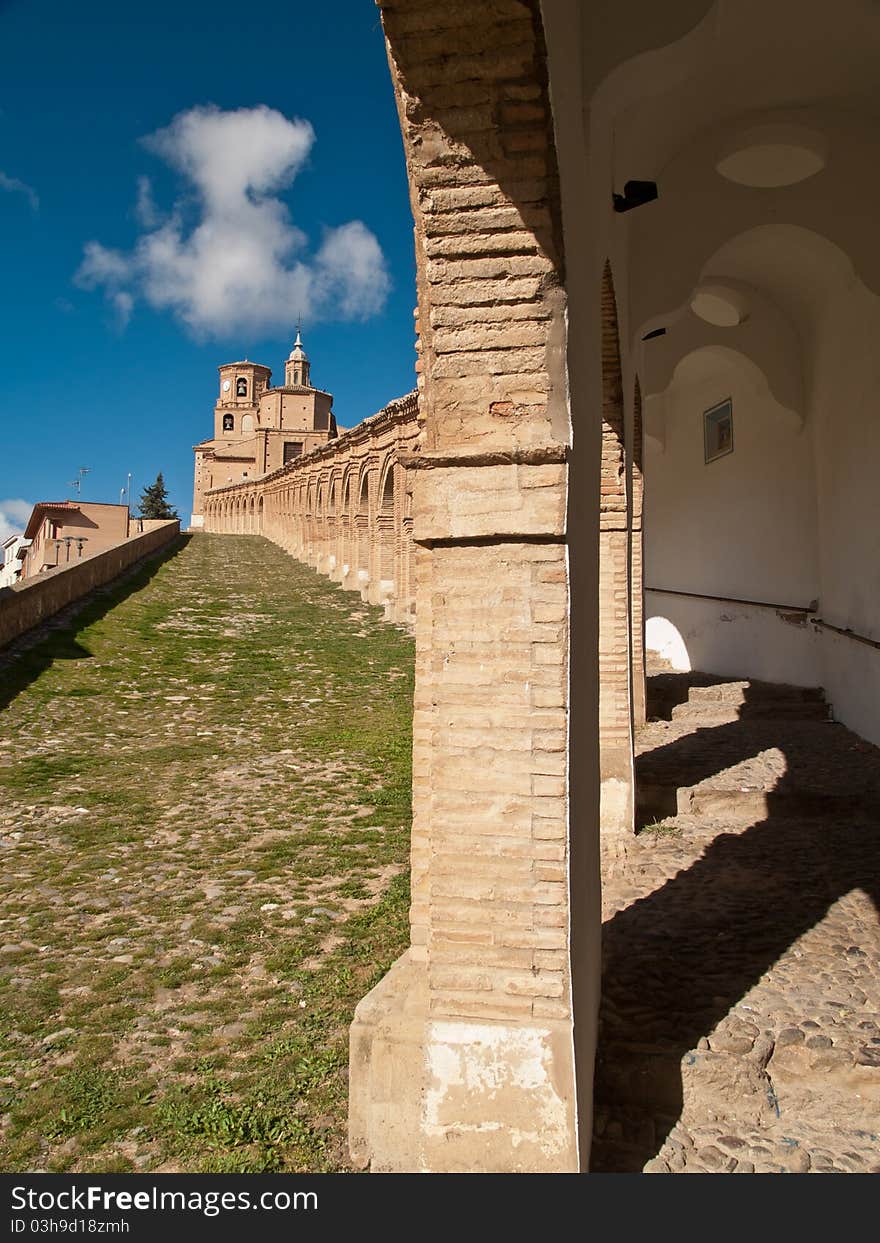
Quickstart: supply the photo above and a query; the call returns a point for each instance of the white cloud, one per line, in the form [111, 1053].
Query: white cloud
[13, 517]
[14, 186]
[148, 215]
[123, 304]
[244, 266]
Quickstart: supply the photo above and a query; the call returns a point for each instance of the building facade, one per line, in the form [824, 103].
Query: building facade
[61, 532]
[14, 550]
[258, 427]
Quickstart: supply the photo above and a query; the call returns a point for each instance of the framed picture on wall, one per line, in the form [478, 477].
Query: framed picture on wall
[718, 430]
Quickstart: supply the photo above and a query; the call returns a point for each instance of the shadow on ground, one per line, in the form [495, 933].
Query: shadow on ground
[678, 960]
[23, 660]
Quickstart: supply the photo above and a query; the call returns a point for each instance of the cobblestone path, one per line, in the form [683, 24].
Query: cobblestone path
[740, 1027]
[204, 835]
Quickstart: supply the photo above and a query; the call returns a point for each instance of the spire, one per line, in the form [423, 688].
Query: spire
[298, 351]
[297, 369]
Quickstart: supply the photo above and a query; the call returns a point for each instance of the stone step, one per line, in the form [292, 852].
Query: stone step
[644, 1074]
[755, 692]
[698, 696]
[723, 712]
[655, 663]
[660, 800]
[650, 1098]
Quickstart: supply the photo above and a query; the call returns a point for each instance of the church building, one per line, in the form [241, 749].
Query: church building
[257, 427]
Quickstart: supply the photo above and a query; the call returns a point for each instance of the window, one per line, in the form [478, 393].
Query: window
[718, 430]
[228, 423]
[241, 387]
[292, 449]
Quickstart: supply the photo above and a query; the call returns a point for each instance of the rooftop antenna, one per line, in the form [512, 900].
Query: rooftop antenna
[83, 471]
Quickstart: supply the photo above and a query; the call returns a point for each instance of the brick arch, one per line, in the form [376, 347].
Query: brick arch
[636, 560]
[612, 383]
[345, 494]
[617, 812]
[386, 485]
[363, 491]
[386, 534]
[333, 495]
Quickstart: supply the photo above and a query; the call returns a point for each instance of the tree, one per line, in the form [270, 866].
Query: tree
[154, 501]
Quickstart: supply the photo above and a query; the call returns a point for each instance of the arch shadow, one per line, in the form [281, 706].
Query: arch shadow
[676, 961]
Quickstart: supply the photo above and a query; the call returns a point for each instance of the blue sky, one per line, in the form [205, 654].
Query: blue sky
[131, 269]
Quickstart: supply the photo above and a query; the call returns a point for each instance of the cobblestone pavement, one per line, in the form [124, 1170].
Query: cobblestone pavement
[740, 1025]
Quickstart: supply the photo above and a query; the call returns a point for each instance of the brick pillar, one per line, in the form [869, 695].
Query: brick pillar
[462, 1056]
[615, 720]
[637, 582]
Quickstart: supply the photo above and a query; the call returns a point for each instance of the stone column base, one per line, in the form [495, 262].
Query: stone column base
[456, 1095]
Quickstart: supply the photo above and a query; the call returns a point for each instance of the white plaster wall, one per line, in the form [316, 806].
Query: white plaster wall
[733, 640]
[846, 427]
[743, 525]
[789, 517]
[851, 677]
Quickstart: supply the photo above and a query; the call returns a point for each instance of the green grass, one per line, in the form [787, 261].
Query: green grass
[661, 828]
[205, 809]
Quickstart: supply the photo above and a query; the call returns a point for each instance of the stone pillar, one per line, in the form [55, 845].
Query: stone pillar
[615, 720]
[462, 1056]
[346, 542]
[637, 582]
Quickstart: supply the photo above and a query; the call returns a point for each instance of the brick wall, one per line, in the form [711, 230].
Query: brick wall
[34, 600]
[637, 582]
[615, 720]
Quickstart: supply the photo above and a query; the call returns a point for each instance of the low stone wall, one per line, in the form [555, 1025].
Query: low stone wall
[345, 509]
[32, 601]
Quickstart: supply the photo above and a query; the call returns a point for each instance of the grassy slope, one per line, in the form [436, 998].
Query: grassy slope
[203, 848]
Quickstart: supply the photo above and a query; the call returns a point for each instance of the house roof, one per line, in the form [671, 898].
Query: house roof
[42, 510]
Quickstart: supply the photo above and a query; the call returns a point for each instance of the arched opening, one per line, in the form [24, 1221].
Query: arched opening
[387, 502]
[386, 535]
[362, 538]
[363, 507]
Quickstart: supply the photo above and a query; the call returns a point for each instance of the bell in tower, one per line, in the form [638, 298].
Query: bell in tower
[297, 365]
